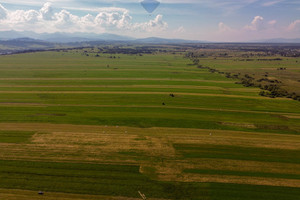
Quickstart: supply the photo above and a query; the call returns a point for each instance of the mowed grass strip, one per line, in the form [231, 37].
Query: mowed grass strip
[80, 79]
[15, 136]
[148, 117]
[98, 142]
[126, 181]
[238, 153]
[108, 73]
[13, 194]
[139, 98]
[133, 88]
[118, 81]
[250, 192]
[242, 173]
[141, 92]
[114, 180]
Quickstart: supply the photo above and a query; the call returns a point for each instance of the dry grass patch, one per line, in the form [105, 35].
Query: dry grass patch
[152, 149]
[292, 116]
[240, 180]
[241, 165]
[87, 143]
[243, 125]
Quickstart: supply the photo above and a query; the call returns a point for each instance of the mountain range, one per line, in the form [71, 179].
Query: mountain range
[85, 37]
[107, 37]
[62, 37]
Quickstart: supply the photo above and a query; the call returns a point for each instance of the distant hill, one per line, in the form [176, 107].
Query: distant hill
[77, 37]
[82, 37]
[156, 40]
[12, 41]
[23, 44]
[87, 37]
[63, 37]
[279, 40]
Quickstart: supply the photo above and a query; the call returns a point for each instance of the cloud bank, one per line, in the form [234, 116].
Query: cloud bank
[258, 29]
[46, 20]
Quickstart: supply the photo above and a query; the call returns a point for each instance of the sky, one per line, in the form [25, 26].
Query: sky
[206, 20]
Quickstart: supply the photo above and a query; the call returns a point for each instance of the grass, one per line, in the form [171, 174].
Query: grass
[238, 191]
[238, 153]
[119, 181]
[107, 132]
[15, 136]
[115, 180]
[242, 173]
[143, 116]
[257, 67]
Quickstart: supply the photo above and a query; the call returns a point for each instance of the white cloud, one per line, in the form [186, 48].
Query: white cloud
[271, 3]
[46, 20]
[224, 28]
[22, 16]
[181, 29]
[96, 9]
[259, 24]
[272, 22]
[294, 26]
[64, 19]
[153, 25]
[256, 30]
[47, 11]
[256, 24]
[119, 20]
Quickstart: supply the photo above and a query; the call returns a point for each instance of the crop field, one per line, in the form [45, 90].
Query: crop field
[79, 124]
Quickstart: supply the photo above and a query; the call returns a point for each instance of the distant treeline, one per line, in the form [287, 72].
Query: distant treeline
[271, 87]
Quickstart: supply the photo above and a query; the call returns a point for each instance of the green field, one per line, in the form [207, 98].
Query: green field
[87, 127]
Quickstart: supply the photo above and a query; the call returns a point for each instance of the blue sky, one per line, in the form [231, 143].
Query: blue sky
[212, 20]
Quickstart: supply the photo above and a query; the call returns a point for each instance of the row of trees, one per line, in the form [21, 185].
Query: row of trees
[271, 87]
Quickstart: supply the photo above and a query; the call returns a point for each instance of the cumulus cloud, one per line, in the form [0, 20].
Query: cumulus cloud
[46, 20]
[47, 11]
[259, 24]
[272, 22]
[256, 24]
[224, 28]
[294, 26]
[181, 29]
[111, 20]
[153, 25]
[259, 28]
